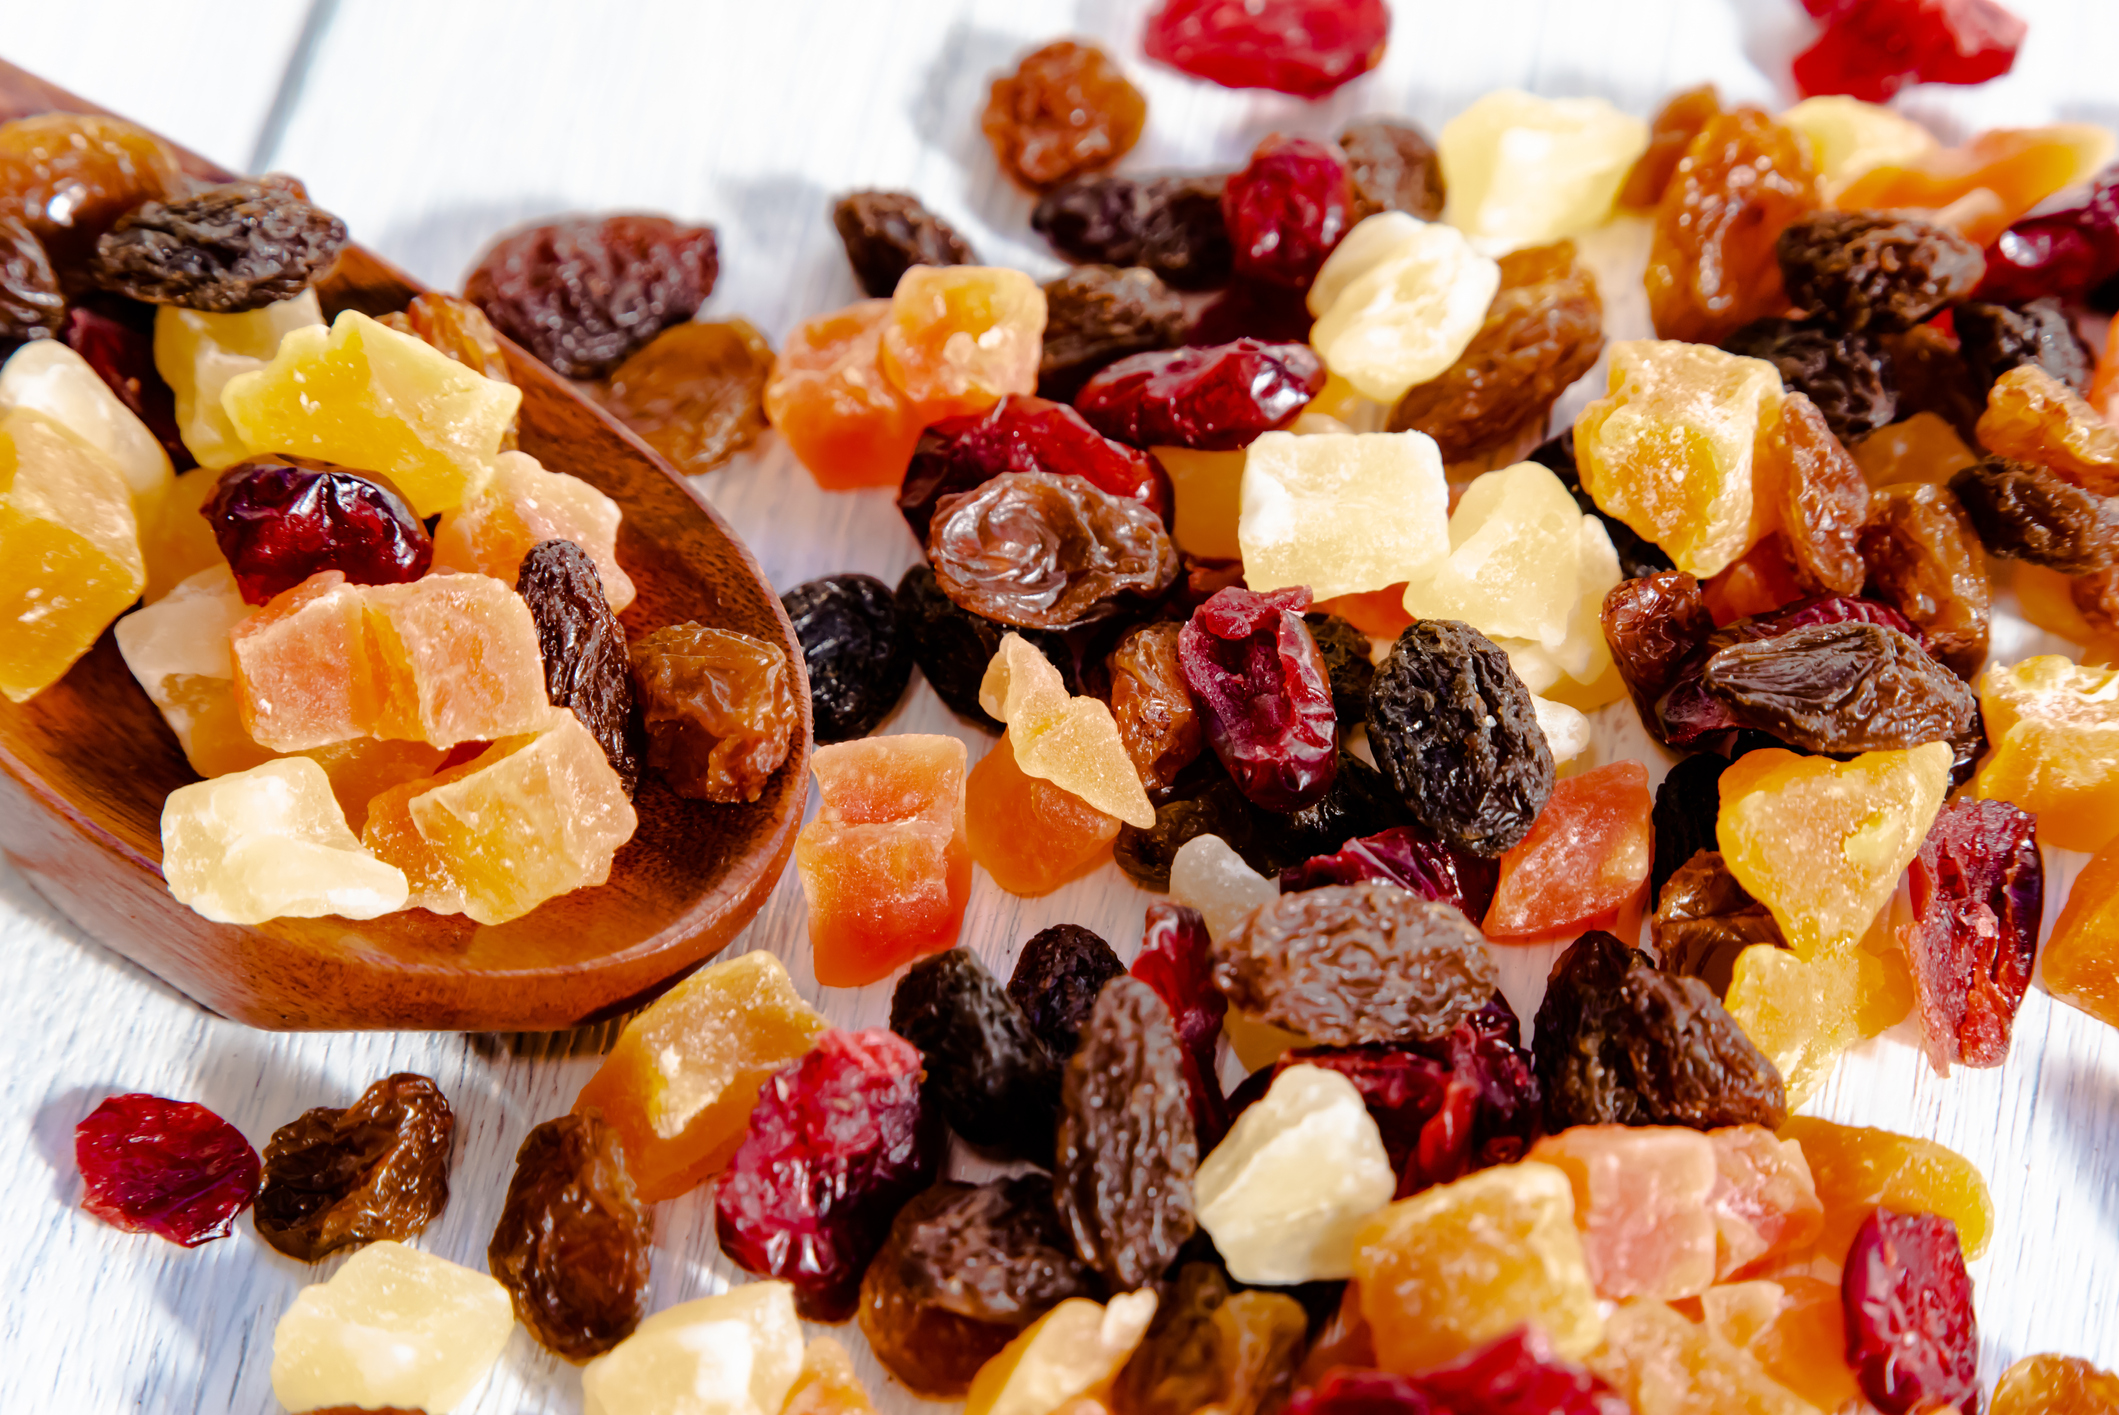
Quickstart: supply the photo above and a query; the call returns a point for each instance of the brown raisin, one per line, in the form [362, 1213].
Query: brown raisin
[1841, 688]
[341, 1178]
[1672, 130]
[1932, 376]
[1997, 338]
[1171, 225]
[995, 1082]
[1345, 650]
[585, 664]
[571, 1246]
[1158, 722]
[1704, 919]
[2096, 595]
[1041, 550]
[1711, 267]
[239, 246]
[696, 393]
[1824, 500]
[69, 176]
[1848, 376]
[31, 305]
[888, 233]
[2025, 512]
[1392, 167]
[1096, 315]
[1210, 1351]
[1874, 270]
[1066, 110]
[718, 709]
[1925, 561]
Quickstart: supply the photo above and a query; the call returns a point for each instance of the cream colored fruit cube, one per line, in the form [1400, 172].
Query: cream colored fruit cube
[1071, 742]
[524, 504]
[737, 1353]
[1514, 562]
[1342, 513]
[198, 353]
[1397, 302]
[47, 377]
[1207, 875]
[1526, 171]
[177, 649]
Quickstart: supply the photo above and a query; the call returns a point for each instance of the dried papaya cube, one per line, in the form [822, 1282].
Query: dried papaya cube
[1031, 835]
[681, 1081]
[2056, 1385]
[1849, 138]
[388, 831]
[959, 338]
[843, 420]
[1072, 742]
[736, 1353]
[1341, 513]
[524, 504]
[1071, 1352]
[2047, 599]
[271, 843]
[1922, 448]
[1585, 860]
[2034, 417]
[47, 377]
[198, 353]
[1822, 843]
[1764, 1200]
[362, 768]
[361, 395]
[1711, 263]
[2054, 726]
[459, 660]
[176, 542]
[306, 673]
[1678, 450]
[1858, 1170]
[1397, 302]
[1795, 1327]
[885, 865]
[2081, 963]
[1463, 1263]
[1666, 1365]
[1983, 187]
[1524, 171]
[177, 649]
[1640, 1203]
[1207, 489]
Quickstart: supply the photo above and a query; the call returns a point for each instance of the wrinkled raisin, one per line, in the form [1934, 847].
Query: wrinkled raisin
[1453, 728]
[2096, 595]
[1704, 918]
[1171, 225]
[1932, 376]
[1875, 270]
[1209, 1350]
[1637, 556]
[696, 393]
[1824, 500]
[279, 520]
[718, 709]
[1157, 721]
[1214, 399]
[31, 305]
[1023, 434]
[1177, 961]
[1912, 1338]
[1656, 625]
[1359, 801]
[1686, 805]
[1096, 315]
[1409, 858]
[1393, 167]
[1711, 265]
[1978, 892]
[888, 233]
[165, 1167]
[1345, 651]
[377, 1169]
[1263, 695]
[1925, 561]
[1287, 209]
[1997, 338]
[1303, 47]
[1057, 977]
[2025, 512]
[69, 176]
[240, 246]
[586, 670]
[1045, 551]
[855, 650]
[1065, 110]
[1848, 376]
[996, 1084]
[1213, 807]
[571, 1246]
[1841, 688]
[1670, 132]
[953, 646]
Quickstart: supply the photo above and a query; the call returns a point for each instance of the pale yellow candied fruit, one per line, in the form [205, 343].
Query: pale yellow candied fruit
[1514, 561]
[177, 649]
[176, 541]
[1522, 170]
[1072, 1351]
[1341, 513]
[1072, 742]
[736, 1353]
[2054, 726]
[524, 504]
[47, 377]
[198, 353]
[1397, 302]
[1209, 876]
[1666, 1365]
[1849, 137]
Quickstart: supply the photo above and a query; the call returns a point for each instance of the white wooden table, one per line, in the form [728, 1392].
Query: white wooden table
[432, 124]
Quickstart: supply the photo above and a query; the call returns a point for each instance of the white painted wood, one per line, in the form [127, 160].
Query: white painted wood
[430, 126]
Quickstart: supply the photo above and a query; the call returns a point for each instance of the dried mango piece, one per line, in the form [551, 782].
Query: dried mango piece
[2054, 725]
[363, 395]
[1072, 1351]
[1072, 742]
[2034, 417]
[1982, 187]
[198, 353]
[1514, 564]
[1849, 138]
[962, 337]
[524, 504]
[1796, 1328]
[681, 1081]
[1804, 1012]
[1678, 450]
[1341, 513]
[1666, 1365]
[47, 377]
[2056, 1385]
[827, 1383]
[1207, 488]
[459, 660]
[736, 1353]
[1585, 860]
[1397, 302]
[176, 542]
[843, 420]
[1522, 170]
[2081, 962]
[1031, 835]
[1640, 1203]
[1858, 1170]
[1923, 448]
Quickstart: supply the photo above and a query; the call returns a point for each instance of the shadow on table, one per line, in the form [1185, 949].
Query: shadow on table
[438, 246]
[53, 1133]
[945, 113]
[17, 896]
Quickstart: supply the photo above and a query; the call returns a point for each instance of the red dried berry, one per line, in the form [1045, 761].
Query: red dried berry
[1912, 1338]
[1519, 1374]
[280, 520]
[1217, 399]
[1287, 209]
[1023, 434]
[837, 1144]
[1978, 888]
[1873, 48]
[1303, 47]
[1409, 858]
[1176, 960]
[1262, 689]
[2065, 253]
[1252, 309]
[123, 356]
[168, 1167]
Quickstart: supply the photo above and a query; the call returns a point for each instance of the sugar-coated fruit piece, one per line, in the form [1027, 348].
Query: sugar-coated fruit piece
[363, 395]
[885, 865]
[1072, 742]
[827, 1383]
[736, 1353]
[47, 377]
[1398, 301]
[1667, 1365]
[1794, 1327]
[959, 338]
[1857, 1169]
[1341, 513]
[1514, 559]
[1802, 1013]
[2081, 963]
[1578, 670]
[1764, 1200]
[1985, 186]
[2055, 730]
[269, 843]
[1209, 876]
[1031, 835]
[681, 1081]
[524, 504]
[177, 649]
[198, 353]
[1922, 448]
[459, 660]
[1462, 1263]
[2056, 1385]
[1585, 860]
[1208, 490]
[1284, 1193]
[843, 420]
[306, 672]
[1064, 1358]
[1822, 843]
[171, 1168]
[1523, 170]
[175, 541]
[1849, 138]
[393, 1327]
[1641, 1205]
[1673, 449]
[718, 707]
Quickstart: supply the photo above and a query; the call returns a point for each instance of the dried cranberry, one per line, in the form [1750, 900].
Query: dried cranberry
[123, 356]
[1218, 399]
[1873, 48]
[1911, 1336]
[1348, 1391]
[1261, 686]
[1287, 210]
[1176, 960]
[837, 1143]
[1519, 1374]
[280, 520]
[1303, 47]
[2067, 253]
[168, 1167]
[1410, 858]
[1978, 890]
[1252, 309]
[1023, 434]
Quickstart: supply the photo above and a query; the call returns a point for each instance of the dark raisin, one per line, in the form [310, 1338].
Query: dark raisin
[1345, 651]
[1042, 550]
[1841, 688]
[571, 1246]
[1925, 561]
[1997, 338]
[1977, 892]
[953, 646]
[1409, 858]
[239, 246]
[1912, 1337]
[1177, 960]
[31, 305]
[1122, 1177]
[1847, 375]
[1933, 377]
[1637, 556]
[377, 1169]
[1057, 977]
[1209, 1350]
[1454, 730]
[996, 1084]
[1096, 315]
[855, 650]
[1215, 399]
[1686, 806]
[1359, 801]
[1261, 689]
[1392, 167]
[1171, 225]
[584, 292]
[1620, 1042]
[2025, 512]
[279, 520]
[1215, 808]
[888, 233]
[1704, 919]
[585, 665]
[172, 1168]
[1872, 270]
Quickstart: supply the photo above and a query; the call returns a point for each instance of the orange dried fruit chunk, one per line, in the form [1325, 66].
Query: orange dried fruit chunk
[1764, 1201]
[885, 865]
[828, 397]
[1796, 1327]
[1981, 188]
[2034, 417]
[1640, 1205]
[1207, 488]
[2081, 963]
[1069, 1354]
[525, 504]
[1072, 742]
[1031, 835]
[305, 671]
[1666, 1365]
[2054, 726]
[2048, 599]
[1460, 1264]
[680, 1083]
[1804, 1012]
[1586, 857]
[827, 1383]
[2056, 1385]
[1858, 1169]
[459, 660]
[176, 542]
[1711, 263]
[391, 837]
[959, 338]
[1922, 448]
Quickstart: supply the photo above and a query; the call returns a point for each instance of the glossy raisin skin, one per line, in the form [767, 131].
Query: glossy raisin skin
[1912, 1337]
[586, 670]
[1824, 500]
[953, 646]
[236, 247]
[1925, 561]
[1977, 891]
[1453, 728]
[170, 1168]
[696, 393]
[1056, 980]
[1704, 919]
[1711, 264]
[1066, 110]
[1158, 724]
[341, 1178]
[1304, 47]
[31, 304]
[1637, 556]
[1350, 964]
[1841, 688]
[1287, 209]
[1997, 338]
[1847, 375]
[855, 650]
[1023, 434]
[1207, 805]
[1171, 225]
[888, 233]
[1126, 1153]
[1670, 132]
[996, 1084]
[1345, 651]
[1263, 695]
[279, 520]
[1872, 270]
[1096, 315]
[1932, 375]
[1215, 399]
[1619, 1042]
[1409, 858]
[571, 1246]
[1391, 166]
[1686, 805]
[1200, 1353]
[1657, 627]
[583, 292]
[2025, 512]
[1039, 550]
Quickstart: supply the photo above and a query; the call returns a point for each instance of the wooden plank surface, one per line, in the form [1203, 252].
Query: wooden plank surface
[432, 126]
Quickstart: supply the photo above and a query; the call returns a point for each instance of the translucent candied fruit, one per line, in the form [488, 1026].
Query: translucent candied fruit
[1822, 843]
[524, 504]
[1983, 187]
[1922, 448]
[1640, 1202]
[960, 338]
[1207, 488]
[1030, 835]
[2054, 726]
[736, 1353]
[1072, 742]
[1069, 1354]
[1674, 450]
[1514, 561]
[1764, 1200]
[306, 673]
[459, 660]
[1794, 1327]
[1398, 301]
[1802, 1013]
[1523, 170]
[1666, 1365]
[175, 541]
[681, 1081]
[363, 395]
[1857, 1170]
[2056, 1385]
[828, 397]
[198, 353]
[1849, 138]
[885, 865]
[1341, 513]
[2081, 964]
[47, 377]
[1462, 1263]
[394, 1327]
[1585, 860]
[827, 1383]
[2034, 417]
[1209, 876]
[177, 649]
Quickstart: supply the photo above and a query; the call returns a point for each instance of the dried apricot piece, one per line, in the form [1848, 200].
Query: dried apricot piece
[1983, 187]
[1711, 265]
[1585, 860]
[2034, 417]
[1857, 1169]
[1030, 835]
[2079, 966]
